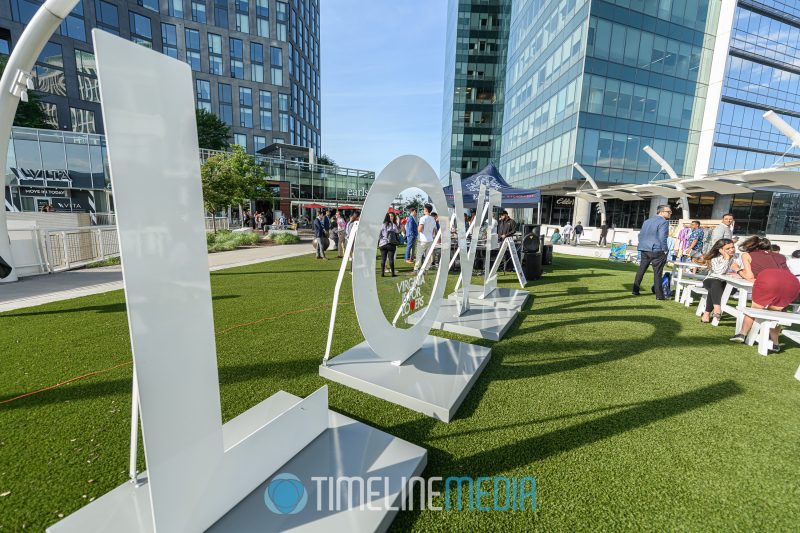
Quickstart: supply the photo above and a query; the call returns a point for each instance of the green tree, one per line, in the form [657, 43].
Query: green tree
[416, 202]
[325, 159]
[30, 114]
[232, 178]
[212, 132]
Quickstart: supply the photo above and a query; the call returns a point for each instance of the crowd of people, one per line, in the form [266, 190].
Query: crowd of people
[775, 278]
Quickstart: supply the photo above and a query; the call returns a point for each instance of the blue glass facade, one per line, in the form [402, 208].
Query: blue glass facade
[761, 74]
[596, 81]
[474, 90]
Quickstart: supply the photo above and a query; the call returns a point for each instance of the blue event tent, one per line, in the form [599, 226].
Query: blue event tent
[490, 176]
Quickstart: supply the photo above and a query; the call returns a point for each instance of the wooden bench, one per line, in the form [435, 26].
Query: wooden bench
[765, 320]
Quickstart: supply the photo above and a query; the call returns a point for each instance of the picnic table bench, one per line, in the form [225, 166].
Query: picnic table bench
[765, 320]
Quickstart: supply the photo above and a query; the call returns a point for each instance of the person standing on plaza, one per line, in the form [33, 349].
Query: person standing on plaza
[603, 234]
[321, 236]
[578, 232]
[387, 242]
[334, 230]
[654, 248]
[694, 248]
[507, 227]
[341, 233]
[427, 229]
[412, 232]
[724, 230]
[566, 233]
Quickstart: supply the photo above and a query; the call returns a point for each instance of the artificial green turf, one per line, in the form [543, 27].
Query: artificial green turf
[630, 413]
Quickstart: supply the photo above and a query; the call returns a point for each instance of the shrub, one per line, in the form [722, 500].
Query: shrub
[283, 238]
[224, 241]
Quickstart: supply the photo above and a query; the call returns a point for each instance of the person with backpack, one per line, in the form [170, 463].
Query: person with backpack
[388, 241]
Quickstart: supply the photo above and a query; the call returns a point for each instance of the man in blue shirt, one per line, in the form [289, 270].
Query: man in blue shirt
[653, 245]
[411, 234]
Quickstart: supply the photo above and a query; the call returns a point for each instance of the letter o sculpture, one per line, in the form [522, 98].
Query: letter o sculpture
[386, 341]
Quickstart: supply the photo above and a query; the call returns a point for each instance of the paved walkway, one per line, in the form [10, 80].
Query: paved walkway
[47, 288]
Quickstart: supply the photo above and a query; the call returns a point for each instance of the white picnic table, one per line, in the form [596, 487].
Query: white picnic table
[765, 320]
[678, 273]
[745, 288]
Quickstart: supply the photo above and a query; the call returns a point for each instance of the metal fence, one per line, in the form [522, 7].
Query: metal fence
[68, 248]
[218, 222]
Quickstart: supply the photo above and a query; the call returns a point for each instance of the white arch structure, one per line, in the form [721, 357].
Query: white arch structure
[14, 85]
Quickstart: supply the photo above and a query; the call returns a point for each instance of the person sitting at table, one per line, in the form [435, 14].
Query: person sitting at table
[556, 237]
[719, 261]
[794, 263]
[774, 287]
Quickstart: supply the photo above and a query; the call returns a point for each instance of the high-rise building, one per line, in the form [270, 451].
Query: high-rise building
[594, 81]
[758, 42]
[475, 70]
[255, 63]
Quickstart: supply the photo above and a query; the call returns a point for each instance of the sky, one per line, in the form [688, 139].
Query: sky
[382, 80]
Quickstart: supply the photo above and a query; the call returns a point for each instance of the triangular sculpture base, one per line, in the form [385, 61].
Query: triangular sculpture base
[503, 297]
[434, 381]
[346, 448]
[482, 321]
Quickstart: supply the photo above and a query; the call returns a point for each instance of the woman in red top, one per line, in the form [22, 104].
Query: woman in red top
[775, 286]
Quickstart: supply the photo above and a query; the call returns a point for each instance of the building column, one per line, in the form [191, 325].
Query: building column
[722, 205]
[581, 211]
[655, 202]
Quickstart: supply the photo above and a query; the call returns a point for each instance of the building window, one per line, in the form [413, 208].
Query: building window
[74, 26]
[237, 58]
[221, 13]
[242, 19]
[82, 120]
[215, 54]
[282, 18]
[152, 5]
[259, 143]
[277, 140]
[245, 107]
[199, 12]
[240, 139]
[141, 32]
[262, 18]
[193, 48]
[51, 113]
[107, 16]
[257, 62]
[174, 7]
[169, 40]
[265, 109]
[283, 108]
[276, 64]
[49, 70]
[203, 88]
[226, 103]
[87, 76]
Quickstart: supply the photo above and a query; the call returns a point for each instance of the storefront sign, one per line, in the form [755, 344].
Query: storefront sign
[68, 204]
[565, 201]
[43, 191]
[37, 174]
[357, 193]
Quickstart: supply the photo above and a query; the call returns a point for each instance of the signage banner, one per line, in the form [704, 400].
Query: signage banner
[43, 191]
[564, 201]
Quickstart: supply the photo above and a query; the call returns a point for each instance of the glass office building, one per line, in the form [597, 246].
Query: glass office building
[595, 81]
[69, 172]
[475, 71]
[761, 73]
[255, 63]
